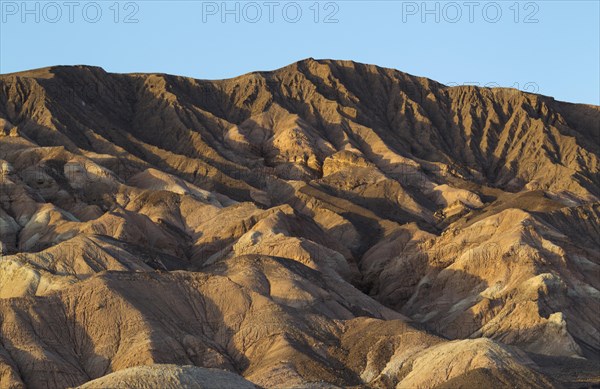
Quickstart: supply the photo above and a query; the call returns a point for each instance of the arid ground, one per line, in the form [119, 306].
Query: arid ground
[327, 224]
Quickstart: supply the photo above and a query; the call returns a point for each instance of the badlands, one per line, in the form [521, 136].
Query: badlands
[328, 224]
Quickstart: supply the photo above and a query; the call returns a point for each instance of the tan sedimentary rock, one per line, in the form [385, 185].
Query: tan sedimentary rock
[327, 224]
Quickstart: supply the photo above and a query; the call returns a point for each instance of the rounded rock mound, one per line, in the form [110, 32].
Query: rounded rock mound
[170, 376]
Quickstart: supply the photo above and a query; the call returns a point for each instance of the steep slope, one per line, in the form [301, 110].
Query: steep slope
[274, 320]
[257, 224]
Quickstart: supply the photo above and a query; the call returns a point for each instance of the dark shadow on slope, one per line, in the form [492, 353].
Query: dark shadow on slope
[186, 322]
[68, 354]
[570, 373]
[186, 326]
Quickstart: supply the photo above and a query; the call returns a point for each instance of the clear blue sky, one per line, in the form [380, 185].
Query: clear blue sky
[557, 53]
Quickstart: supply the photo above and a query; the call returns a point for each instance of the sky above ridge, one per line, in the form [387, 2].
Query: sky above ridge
[547, 47]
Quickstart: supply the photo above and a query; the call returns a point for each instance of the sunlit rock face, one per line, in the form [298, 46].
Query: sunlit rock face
[327, 224]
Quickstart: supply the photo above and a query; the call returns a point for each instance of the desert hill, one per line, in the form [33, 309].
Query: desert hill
[326, 224]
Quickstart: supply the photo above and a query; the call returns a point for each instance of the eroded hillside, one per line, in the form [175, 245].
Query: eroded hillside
[325, 224]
